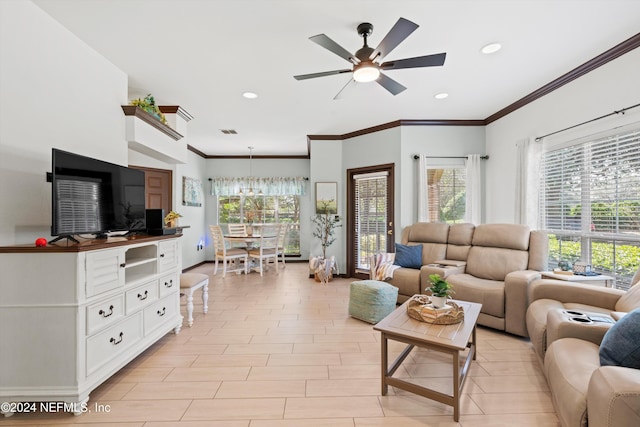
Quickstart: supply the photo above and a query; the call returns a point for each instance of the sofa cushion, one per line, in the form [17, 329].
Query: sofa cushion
[427, 232]
[407, 280]
[495, 263]
[408, 256]
[620, 345]
[489, 293]
[510, 236]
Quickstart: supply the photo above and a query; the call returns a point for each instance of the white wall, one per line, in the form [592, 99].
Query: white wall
[613, 86]
[55, 91]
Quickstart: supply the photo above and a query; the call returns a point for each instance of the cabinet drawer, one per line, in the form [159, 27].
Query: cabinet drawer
[168, 284]
[141, 296]
[112, 342]
[161, 312]
[104, 313]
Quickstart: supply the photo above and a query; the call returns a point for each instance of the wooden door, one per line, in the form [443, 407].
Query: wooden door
[157, 191]
[370, 212]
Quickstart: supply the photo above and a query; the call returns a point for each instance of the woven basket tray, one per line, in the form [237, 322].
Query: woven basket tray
[420, 308]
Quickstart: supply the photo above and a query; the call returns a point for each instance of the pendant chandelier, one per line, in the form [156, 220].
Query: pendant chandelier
[250, 191]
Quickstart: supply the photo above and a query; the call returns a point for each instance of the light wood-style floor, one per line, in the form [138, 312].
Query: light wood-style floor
[281, 351]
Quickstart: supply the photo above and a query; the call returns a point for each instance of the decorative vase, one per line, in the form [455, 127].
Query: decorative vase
[249, 230]
[438, 302]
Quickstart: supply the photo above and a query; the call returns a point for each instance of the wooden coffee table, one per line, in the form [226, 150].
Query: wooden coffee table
[451, 339]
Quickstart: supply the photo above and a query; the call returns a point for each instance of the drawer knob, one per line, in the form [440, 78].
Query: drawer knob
[143, 297]
[116, 342]
[169, 283]
[161, 313]
[104, 313]
[161, 255]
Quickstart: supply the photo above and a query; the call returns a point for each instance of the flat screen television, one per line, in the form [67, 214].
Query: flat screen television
[91, 196]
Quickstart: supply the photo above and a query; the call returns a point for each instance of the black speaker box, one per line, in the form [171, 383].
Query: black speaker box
[155, 219]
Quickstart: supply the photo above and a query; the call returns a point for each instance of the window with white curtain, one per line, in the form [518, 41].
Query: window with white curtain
[446, 190]
[283, 209]
[590, 203]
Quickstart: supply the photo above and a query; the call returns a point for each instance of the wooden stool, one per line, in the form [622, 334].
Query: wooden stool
[191, 282]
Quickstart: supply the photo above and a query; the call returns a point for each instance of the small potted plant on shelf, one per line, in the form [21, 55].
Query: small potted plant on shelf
[440, 290]
[325, 224]
[148, 104]
[171, 219]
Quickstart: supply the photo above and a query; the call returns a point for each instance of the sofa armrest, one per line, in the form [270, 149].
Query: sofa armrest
[516, 285]
[579, 293]
[613, 397]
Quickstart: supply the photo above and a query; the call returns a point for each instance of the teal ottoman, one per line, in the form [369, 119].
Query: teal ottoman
[372, 300]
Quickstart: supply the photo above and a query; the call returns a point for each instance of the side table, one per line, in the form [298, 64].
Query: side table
[599, 280]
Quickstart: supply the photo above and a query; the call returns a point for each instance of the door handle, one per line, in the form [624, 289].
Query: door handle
[390, 232]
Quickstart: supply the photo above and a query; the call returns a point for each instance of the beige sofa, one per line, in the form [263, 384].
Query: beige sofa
[491, 264]
[583, 392]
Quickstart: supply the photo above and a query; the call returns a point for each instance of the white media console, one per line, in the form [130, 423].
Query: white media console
[72, 316]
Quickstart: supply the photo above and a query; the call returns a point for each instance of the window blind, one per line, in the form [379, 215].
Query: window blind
[591, 191]
[371, 216]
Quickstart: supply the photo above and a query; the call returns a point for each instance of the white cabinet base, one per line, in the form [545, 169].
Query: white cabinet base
[73, 316]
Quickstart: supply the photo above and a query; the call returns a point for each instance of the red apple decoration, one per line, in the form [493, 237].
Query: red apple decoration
[41, 241]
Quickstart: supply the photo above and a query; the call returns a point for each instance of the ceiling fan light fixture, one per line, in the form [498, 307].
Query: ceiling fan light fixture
[366, 72]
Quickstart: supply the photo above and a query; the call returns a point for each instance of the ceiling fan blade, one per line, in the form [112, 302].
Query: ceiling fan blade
[349, 84]
[400, 31]
[389, 84]
[436, 60]
[323, 74]
[334, 47]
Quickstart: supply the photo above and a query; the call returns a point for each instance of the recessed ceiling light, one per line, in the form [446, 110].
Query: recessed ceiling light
[491, 48]
[250, 95]
[442, 95]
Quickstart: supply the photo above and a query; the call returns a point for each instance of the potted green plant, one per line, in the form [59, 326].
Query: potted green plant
[440, 290]
[325, 224]
[171, 219]
[148, 104]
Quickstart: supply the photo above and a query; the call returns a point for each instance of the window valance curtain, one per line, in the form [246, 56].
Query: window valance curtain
[270, 186]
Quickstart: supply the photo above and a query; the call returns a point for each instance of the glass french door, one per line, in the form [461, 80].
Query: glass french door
[369, 216]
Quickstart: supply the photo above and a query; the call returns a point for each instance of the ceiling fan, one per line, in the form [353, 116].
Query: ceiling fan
[367, 62]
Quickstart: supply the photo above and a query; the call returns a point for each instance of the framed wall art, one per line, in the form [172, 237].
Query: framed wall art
[191, 192]
[326, 197]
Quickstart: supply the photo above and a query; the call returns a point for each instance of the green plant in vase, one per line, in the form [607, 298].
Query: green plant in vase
[440, 290]
[148, 104]
[325, 224]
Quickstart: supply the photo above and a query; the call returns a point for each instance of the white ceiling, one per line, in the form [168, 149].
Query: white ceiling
[203, 54]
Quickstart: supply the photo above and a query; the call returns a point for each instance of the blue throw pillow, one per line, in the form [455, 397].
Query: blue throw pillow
[408, 256]
[621, 344]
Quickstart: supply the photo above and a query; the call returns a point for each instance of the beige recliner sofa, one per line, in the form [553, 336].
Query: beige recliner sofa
[491, 264]
[584, 393]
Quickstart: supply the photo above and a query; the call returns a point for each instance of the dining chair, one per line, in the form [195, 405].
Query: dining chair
[267, 251]
[237, 230]
[227, 255]
[282, 241]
